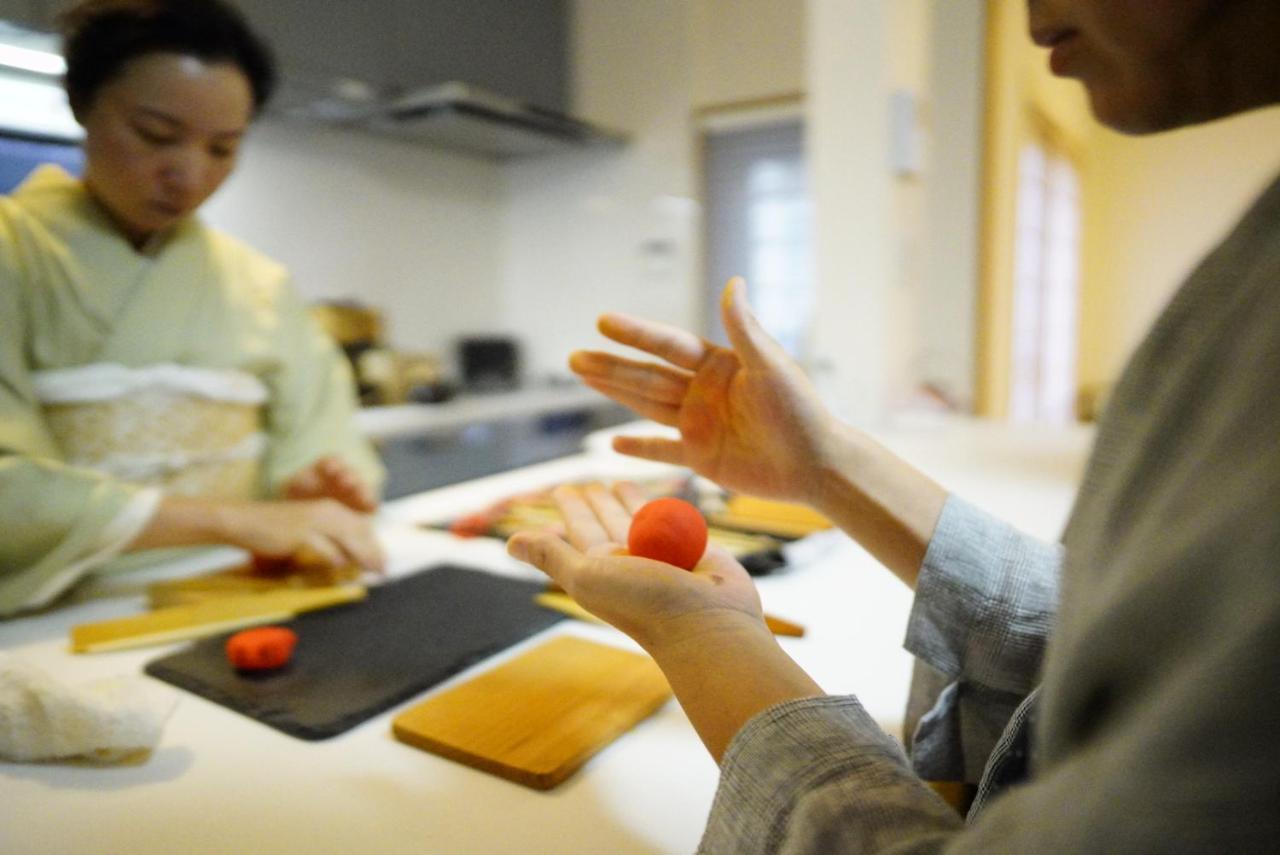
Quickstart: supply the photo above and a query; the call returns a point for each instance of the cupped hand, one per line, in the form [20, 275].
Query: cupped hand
[331, 478]
[748, 417]
[653, 602]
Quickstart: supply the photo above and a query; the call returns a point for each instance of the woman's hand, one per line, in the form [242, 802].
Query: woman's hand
[331, 478]
[750, 420]
[704, 628]
[748, 417]
[653, 602]
[313, 532]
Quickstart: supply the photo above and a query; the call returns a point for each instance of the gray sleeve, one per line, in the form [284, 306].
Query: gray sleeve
[819, 775]
[985, 600]
[984, 604]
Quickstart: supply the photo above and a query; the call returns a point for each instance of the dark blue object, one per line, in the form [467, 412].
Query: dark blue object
[20, 154]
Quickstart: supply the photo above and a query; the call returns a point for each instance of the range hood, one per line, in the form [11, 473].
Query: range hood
[466, 118]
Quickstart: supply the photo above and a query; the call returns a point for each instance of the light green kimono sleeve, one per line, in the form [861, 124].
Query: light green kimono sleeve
[312, 412]
[56, 521]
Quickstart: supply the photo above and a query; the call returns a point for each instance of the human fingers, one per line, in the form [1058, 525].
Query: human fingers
[304, 484]
[581, 524]
[631, 495]
[651, 380]
[667, 414]
[350, 533]
[748, 337]
[553, 556]
[610, 512]
[330, 478]
[651, 448]
[360, 547]
[318, 551]
[679, 347]
[352, 491]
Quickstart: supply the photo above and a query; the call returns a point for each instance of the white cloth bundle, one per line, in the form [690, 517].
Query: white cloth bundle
[106, 721]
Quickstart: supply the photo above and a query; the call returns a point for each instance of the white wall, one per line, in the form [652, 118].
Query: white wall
[856, 356]
[410, 230]
[621, 230]
[539, 247]
[746, 50]
[616, 230]
[948, 296]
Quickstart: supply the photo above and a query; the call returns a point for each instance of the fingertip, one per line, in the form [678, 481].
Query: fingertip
[518, 546]
[734, 289]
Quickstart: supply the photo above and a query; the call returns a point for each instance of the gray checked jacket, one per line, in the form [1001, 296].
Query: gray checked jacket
[1147, 641]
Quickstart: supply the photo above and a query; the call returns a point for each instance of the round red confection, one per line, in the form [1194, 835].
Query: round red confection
[262, 648]
[669, 530]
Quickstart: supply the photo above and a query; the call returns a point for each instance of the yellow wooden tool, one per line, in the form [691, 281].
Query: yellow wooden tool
[240, 581]
[783, 519]
[197, 620]
[537, 718]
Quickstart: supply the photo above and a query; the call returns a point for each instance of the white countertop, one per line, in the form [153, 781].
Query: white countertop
[220, 782]
[472, 408]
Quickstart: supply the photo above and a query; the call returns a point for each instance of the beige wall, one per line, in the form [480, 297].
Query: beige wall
[856, 353]
[620, 230]
[1019, 87]
[746, 50]
[1154, 207]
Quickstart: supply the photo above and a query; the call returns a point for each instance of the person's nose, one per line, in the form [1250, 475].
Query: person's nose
[184, 171]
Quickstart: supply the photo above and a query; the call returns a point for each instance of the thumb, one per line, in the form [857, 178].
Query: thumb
[548, 553]
[749, 340]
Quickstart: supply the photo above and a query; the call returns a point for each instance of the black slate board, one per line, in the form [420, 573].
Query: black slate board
[355, 661]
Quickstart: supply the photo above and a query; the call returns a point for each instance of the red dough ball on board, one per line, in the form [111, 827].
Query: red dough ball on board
[262, 648]
[669, 530]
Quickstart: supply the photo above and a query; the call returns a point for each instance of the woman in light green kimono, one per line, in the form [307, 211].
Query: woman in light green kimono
[160, 383]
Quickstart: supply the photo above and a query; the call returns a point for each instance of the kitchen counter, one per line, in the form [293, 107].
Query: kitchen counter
[406, 420]
[220, 782]
[425, 446]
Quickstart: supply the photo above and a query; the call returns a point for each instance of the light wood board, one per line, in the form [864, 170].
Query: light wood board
[197, 620]
[242, 580]
[537, 719]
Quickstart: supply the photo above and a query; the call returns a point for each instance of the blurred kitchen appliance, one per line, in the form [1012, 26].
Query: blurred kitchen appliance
[355, 327]
[489, 363]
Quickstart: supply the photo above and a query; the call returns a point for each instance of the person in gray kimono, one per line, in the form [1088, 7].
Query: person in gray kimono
[1114, 692]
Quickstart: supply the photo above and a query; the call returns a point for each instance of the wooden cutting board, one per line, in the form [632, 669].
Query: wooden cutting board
[199, 619]
[537, 719]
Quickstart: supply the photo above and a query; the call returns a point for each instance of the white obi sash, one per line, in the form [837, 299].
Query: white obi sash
[191, 431]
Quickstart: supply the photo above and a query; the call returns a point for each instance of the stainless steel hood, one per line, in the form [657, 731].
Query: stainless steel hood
[473, 120]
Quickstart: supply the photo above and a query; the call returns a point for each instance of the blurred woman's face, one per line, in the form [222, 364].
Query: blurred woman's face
[162, 136]
[1148, 65]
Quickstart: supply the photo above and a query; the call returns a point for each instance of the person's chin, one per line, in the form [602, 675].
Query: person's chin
[157, 221]
[1126, 112]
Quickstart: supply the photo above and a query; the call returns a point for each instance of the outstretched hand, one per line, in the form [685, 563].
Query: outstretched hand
[653, 602]
[748, 417]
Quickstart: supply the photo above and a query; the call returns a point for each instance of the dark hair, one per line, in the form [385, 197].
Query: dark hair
[101, 36]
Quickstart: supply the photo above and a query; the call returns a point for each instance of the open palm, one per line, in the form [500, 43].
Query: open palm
[748, 417]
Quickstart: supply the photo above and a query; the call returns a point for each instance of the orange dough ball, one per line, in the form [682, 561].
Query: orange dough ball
[669, 530]
[262, 648]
